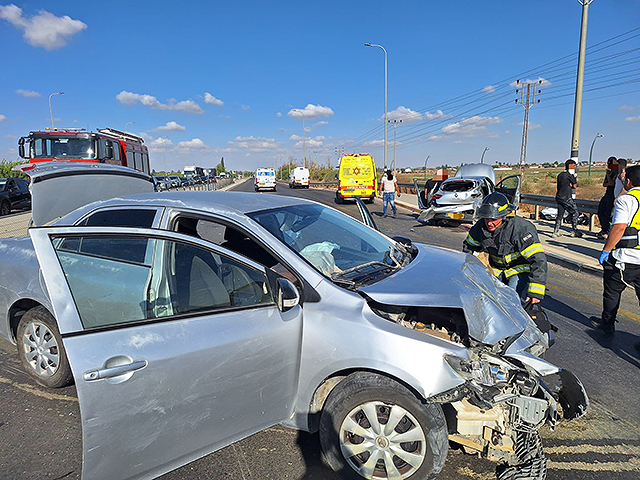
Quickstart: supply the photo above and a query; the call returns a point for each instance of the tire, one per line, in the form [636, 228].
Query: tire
[5, 208]
[350, 454]
[528, 461]
[339, 200]
[49, 367]
[370, 200]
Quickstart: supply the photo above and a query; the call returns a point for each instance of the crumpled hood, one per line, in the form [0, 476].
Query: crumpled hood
[439, 277]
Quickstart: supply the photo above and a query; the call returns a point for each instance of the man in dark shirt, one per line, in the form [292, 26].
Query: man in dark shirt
[565, 195]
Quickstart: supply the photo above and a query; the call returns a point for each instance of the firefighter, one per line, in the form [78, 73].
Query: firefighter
[515, 253]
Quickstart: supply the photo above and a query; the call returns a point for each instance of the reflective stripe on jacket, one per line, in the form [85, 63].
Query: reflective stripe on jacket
[631, 236]
[514, 248]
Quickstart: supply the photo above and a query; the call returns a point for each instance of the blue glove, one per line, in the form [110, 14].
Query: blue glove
[603, 257]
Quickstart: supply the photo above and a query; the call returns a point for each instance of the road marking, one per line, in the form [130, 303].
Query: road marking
[30, 389]
[633, 465]
[598, 302]
[623, 448]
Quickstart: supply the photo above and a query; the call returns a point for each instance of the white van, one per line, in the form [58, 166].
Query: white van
[265, 178]
[299, 177]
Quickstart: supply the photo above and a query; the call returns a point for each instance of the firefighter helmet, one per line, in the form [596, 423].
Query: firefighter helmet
[495, 205]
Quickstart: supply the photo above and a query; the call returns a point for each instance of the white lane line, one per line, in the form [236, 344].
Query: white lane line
[633, 465]
[622, 448]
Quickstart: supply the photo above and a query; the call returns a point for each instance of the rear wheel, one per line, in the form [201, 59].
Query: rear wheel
[5, 208]
[41, 349]
[372, 427]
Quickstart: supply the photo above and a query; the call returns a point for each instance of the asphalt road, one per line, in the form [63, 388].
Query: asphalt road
[40, 429]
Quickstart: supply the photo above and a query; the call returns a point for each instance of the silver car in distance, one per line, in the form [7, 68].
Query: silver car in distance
[191, 320]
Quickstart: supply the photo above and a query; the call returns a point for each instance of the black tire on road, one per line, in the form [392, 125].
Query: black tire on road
[394, 424]
[5, 208]
[41, 350]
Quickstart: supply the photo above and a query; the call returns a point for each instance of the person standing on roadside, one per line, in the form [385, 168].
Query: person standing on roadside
[605, 207]
[565, 198]
[388, 189]
[619, 189]
[620, 257]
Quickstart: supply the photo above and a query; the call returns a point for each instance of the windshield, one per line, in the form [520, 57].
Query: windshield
[77, 147]
[333, 243]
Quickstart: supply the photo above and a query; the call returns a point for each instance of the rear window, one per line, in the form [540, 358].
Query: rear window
[268, 174]
[458, 186]
[357, 169]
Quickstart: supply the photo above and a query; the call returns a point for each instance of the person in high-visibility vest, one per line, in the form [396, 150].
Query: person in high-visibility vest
[515, 253]
[620, 256]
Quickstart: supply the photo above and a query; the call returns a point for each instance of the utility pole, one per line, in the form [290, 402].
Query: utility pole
[339, 151]
[577, 110]
[527, 99]
[395, 124]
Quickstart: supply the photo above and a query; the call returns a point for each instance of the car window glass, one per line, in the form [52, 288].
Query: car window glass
[330, 241]
[124, 217]
[123, 279]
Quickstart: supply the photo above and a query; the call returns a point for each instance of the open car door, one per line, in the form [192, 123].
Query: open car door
[367, 219]
[177, 346]
[510, 187]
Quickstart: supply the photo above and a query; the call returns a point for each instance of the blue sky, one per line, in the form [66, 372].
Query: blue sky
[221, 79]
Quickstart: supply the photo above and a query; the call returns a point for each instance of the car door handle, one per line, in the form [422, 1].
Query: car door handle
[111, 372]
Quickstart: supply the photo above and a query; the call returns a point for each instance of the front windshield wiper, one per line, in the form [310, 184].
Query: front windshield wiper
[359, 273]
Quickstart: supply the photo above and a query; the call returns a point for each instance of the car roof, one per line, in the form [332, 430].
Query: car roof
[209, 201]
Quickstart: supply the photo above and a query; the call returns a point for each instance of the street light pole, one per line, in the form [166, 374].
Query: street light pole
[385, 98]
[126, 127]
[483, 152]
[591, 151]
[289, 142]
[304, 143]
[53, 126]
[425, 166]
[166, 172]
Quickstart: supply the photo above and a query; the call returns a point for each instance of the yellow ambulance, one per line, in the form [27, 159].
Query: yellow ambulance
[357, 177]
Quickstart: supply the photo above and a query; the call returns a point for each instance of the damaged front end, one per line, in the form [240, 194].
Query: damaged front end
[507, 392]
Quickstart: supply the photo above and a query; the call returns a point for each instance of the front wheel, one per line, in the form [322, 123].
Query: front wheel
[372, 427]
[41, 350]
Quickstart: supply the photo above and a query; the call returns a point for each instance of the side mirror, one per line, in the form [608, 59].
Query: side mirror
[407, 244]
[336, 176]
[287, 296]
[21, 147]
[109, 149]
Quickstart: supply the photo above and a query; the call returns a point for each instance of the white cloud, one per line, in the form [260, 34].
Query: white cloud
[159, 143]
[254, 144]
[628, 108]
[507, 132]
[311, 111]
[470, 126]
[321, 123]
[435, 138]
[543, 82]
[27, 93]
[494, 135]
[433, 116]
[374, 143]
[3, 118]
[211, 100]
[245, 107]
[458, 142]
[489, 89]
[532, 126]
[279, 115]
[195, 144]
[129, 98]
[405, 114]
[632, 119]
[170, 127]
[10, 137]
[44, 29]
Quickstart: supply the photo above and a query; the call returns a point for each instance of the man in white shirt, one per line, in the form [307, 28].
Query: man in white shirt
[389, 188]
[620, 257]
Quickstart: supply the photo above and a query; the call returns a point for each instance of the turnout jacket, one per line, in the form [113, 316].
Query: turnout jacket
[513, 248]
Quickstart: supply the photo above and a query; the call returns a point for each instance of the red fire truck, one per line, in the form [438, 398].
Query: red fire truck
[78, 145]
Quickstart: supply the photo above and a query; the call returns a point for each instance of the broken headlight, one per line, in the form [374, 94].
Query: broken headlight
[480, 371]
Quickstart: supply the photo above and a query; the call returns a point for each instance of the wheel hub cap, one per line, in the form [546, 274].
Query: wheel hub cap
[40, 349]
